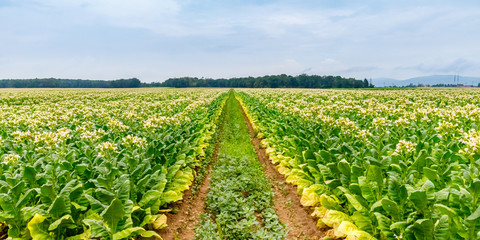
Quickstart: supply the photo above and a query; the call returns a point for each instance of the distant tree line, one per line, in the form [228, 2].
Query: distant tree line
[274, 81]
[69, 83]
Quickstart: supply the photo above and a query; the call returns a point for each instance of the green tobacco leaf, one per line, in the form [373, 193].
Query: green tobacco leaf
[362, 221]
[58, 208]
[17, 190]
[113, 214]
[475, 188]
[419, 199]
[420, 160]
[123, 188]
[29, 174]
[475, 215]
[104, 196]
[149, 198]
[423, 229]
[431, 174]
[355, 202]
[329, 203]
[135, 231]
[65, 220]
[367, 190]
[170, 196]
[96, 205]
[442, 229]
[375, 174]
[325, 155]
[391, 208]
[25, 198]
[399, 227]
[47, 194]
[344, 167]
[445, 210]
[383, 223]
[35, 226]
[396, 190]
[97, 228]
[6, 203]
[29, 212]
[308, 154]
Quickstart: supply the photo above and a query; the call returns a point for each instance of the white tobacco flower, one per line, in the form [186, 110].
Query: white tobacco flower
[134, 141]
[22, 136]
[11, 158]
[158, 122]
[404, 146]
[447, 128]
[106, 148]
[402, 122]
[346, 125]
[48, 139]
[64, 133]
[117, 125]
[380, 122]
[363, 134]
[472, 143]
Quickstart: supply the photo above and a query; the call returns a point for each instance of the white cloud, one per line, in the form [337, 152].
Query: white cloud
[156, 16]
[237, 38]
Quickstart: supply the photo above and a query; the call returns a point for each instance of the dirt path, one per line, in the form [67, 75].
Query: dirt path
[181, 225]
[286, 199]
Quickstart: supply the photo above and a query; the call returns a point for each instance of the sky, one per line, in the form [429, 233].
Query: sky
[154, 40]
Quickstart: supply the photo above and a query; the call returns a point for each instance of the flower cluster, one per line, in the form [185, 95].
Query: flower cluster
[116, 125]
[405, 147]
[471, 141]
[134, 141]
[402, 122]
[346, 125]
[11, 159]
[158, 122]
[106, 148]
[92, 136]
[447, 128]
[20, 136]
[47, 140]
[364, 135]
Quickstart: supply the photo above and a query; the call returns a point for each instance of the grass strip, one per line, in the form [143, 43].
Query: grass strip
[240, 201]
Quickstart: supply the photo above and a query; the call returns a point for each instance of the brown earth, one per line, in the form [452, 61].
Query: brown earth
[181, 225]
[286, 200]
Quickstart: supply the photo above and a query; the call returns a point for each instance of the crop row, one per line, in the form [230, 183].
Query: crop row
[240, 200]
[99, 163]
[378, 164]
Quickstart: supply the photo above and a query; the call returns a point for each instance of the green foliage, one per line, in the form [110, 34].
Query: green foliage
[396, 164]
[103, 164]
[68, 83]
[274, 81]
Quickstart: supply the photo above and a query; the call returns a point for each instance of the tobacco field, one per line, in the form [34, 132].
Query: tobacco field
[120, 164]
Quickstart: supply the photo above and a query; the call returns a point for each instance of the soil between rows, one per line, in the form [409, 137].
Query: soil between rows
[181, 225]
[286, 200]
[301, 225]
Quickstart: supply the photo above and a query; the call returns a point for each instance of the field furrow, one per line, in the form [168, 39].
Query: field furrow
[297, 218]
[240, 201]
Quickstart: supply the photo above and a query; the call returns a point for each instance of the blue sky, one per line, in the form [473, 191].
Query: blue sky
[157, 39]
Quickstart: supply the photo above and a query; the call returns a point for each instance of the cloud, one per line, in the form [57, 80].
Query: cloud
[455, 66]
[159, 39]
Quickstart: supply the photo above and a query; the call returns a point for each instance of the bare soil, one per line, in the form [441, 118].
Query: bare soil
[181, 225]
[286, 200]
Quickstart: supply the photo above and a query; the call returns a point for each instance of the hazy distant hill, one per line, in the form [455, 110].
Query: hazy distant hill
[427, 80]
